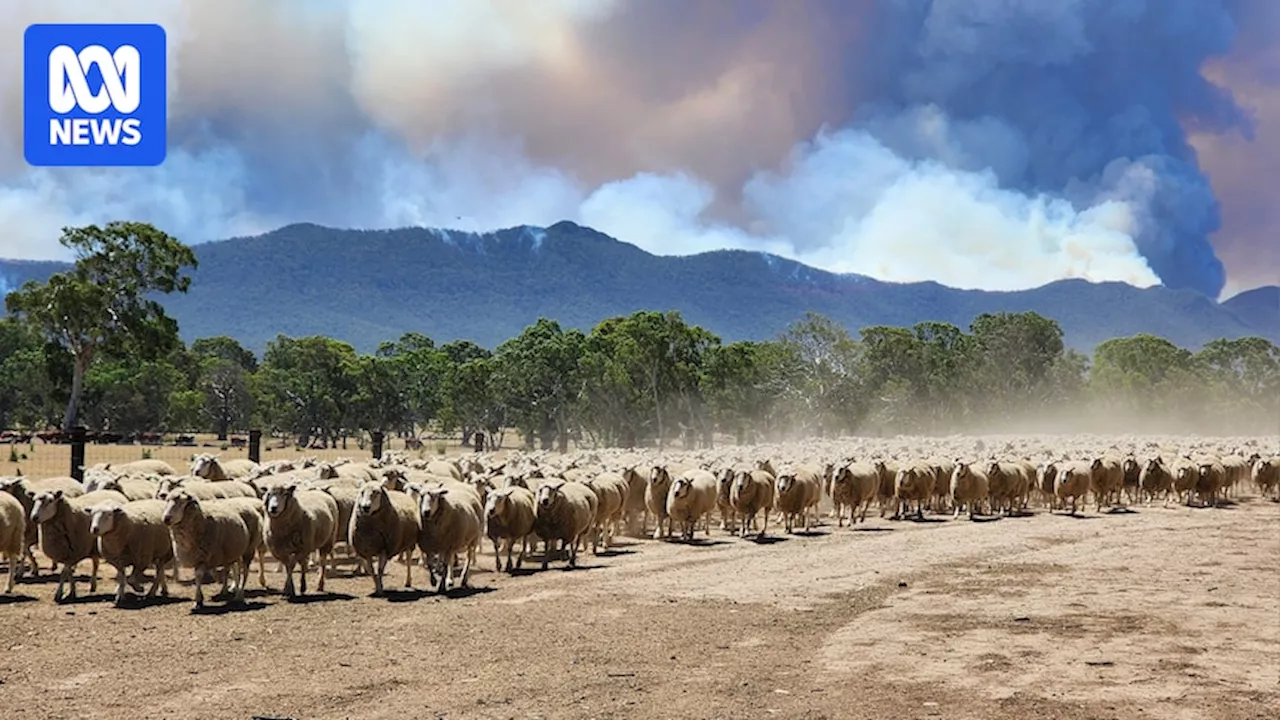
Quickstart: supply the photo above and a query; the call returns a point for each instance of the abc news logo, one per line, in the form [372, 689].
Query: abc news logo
[94, 95]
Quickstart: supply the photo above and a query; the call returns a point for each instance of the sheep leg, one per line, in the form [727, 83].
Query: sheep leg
[466, 565]
[242, 571]
[524, 550]
[546, 553]
[199, 573]
[288, 578]
[93, 575]
[15, 569]
[303, 566]
[323, 565]
[764, 525]
[158, 580]
[262, 568]
[446, 577]
[120, 583]
[573, 552]
[377, 574]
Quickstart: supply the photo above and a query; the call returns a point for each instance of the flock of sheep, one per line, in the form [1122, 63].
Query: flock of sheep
[216, 520]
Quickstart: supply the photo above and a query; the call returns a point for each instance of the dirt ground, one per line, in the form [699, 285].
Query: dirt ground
[1154, 613]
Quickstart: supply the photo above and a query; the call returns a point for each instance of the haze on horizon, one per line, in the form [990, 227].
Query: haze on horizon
[993, 144]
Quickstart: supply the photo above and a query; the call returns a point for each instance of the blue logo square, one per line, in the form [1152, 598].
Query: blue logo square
[94, 95]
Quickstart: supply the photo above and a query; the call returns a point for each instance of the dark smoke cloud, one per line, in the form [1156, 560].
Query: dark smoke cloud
[980, 143]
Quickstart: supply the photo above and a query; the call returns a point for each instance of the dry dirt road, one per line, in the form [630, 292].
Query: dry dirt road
[1158, 613]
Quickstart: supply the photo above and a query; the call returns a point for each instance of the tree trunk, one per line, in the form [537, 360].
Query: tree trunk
[81, 366]
[224, 426]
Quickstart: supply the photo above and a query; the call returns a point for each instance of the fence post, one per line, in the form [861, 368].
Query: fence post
[479, 438]
[377, 444]
[77, 452]
[255, 445]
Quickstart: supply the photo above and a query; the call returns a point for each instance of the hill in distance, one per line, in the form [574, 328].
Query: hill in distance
[369, 286]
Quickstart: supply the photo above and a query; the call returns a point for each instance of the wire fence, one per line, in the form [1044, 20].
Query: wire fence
[53, 454]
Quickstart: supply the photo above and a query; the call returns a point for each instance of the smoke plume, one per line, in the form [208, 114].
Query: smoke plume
[996, 144]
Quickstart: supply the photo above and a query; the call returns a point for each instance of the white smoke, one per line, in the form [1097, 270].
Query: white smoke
[418, 141]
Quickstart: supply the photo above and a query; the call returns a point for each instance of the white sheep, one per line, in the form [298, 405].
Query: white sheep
[795, 493]
[692, 496]
[914, 481]
[300, 522]
[64, 533]
[452, 522]
[969, 489]
[211, 535]
[565, 512]
[854, 486]
[133, 535]
[1074, 480]
[214, 469]
[509, 513]
[655, 500]
[611, 494]
[385, 524]
[13, 528]
[25, 491]
[752, 492]
[137, 468]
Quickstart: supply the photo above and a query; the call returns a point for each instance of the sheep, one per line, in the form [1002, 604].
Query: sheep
[724, 485]
[752, 491]
[1185, 476]
[346, 496]
[655, 500]
[1236, 471]
[211, 535]
[300, 522]
[24, 491]
[452, 521]
[214, 469]
[914, 481]
[635, 505]
[1007, 484]
[692, 496]
[611, 494]
[509, 514]
[353, 474]
[137, 468]
[1074, 481]
[1210, 483]
[132, 487]
[444, 468]
[794, 493]
[384, 524]
[133, 535]
[888, 473]
[13, 530]
[969, 488]
[1046, 479]
[1155, 479]
[1266, 475]
[64, 533]
[942, 470]
[204, 490]
[854, 486]
[1108, 480]
[254, 513]
[1130, 471]
[564, 511]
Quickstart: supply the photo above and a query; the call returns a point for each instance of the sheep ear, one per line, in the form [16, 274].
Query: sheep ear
[117, 510]
[57, 494]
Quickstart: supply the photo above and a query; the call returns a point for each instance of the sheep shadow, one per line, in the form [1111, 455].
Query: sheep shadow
[318, 598]
[142, 602]
[1121, 510]
[767, 539]
[461, 593]
[615, 552]
[230, 607]
[30, 579]
[16, 599]
[522, 571]
[1020, 514]
[402, 595]
[86, 599]
[702, 542]
[1075, 515]
[927, 519]
[870, 528]
[811, 533]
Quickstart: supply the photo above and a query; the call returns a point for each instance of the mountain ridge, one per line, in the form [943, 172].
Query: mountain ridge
[370, 286]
